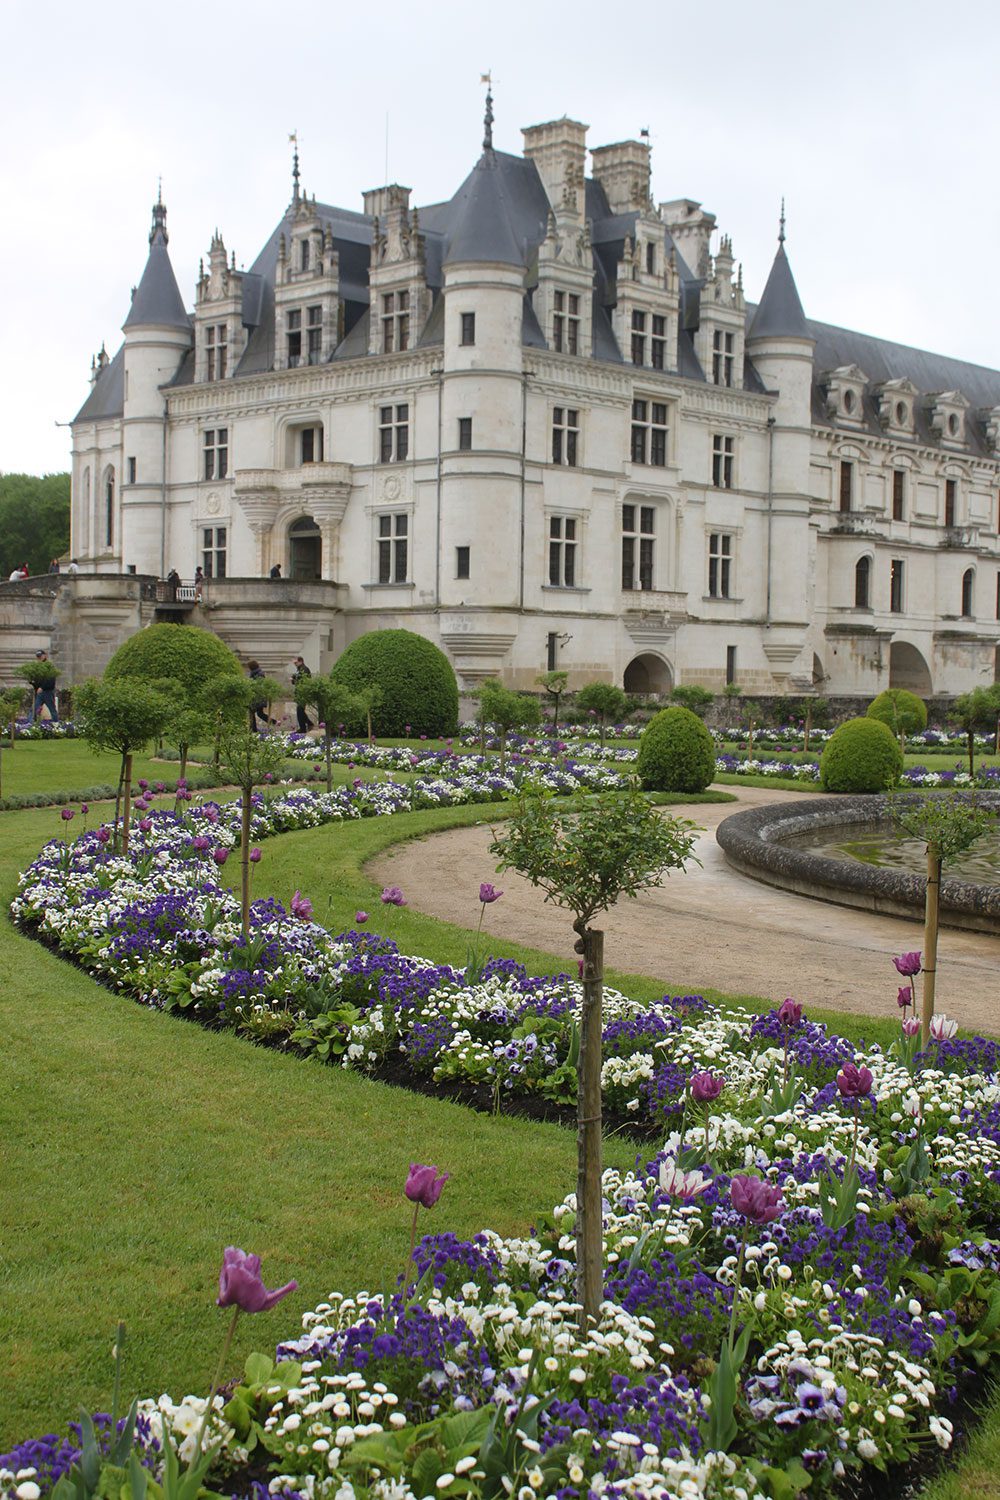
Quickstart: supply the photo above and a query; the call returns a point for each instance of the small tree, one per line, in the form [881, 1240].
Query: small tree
[554, 686]
[369, 698]
[690, 695]
[247, 761]
[123, 716]
[11, 700]
[817, 713]
[226, 700]
[902, 710]
[978, 710]
[731, 694]
[333, 703]
[605, 700]
[947, 826]
[585, 863]
[752, 714]
[506, 711]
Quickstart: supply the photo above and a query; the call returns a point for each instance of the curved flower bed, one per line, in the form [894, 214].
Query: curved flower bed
[859, 1257]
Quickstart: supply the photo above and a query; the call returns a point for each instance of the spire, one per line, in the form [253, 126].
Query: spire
[781, 224]
[158, 232]
[156, 301]
[779, 313]
[487, 78]
[294, 138]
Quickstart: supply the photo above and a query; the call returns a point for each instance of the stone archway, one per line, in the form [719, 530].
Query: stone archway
[648, 673]
[305, 550]
[908, 669]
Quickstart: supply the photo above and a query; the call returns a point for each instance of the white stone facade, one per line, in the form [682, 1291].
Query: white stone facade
[620, 469]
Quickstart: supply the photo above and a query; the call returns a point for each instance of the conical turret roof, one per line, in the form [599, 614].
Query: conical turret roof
[157, 301]
[484, 226]
[779, 313]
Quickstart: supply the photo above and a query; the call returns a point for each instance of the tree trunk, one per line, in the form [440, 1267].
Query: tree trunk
[808, 727]
[245, 810]
[1, 764]
[217, 748]
[181, 775]
[126, 799]
[602, 731]
[329, 763]
[589, 1196]
[503, 751]
[931, 906]
[972, 754]
[370, 740]
[750, 739]
[555, 718]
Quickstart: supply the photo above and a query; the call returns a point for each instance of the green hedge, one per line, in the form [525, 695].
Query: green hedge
[185, 653]
[903, 711]
[676, 753]
[419, 694]
[863, 755]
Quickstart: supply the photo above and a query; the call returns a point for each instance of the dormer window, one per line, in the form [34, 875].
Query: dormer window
[638, 338]
[650, 258]
[566, 323]
[314, 334]
[215, 351]
[311, 445]
[303, 255]
[722, 357]
[395, 321]
[294, 337]
[895, 405]
[947, 413]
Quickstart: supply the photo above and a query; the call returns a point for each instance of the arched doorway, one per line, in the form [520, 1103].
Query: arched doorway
[907, 669]
[648, 673]
[305, 550]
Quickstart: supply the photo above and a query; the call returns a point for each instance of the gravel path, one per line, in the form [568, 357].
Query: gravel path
[711, 927]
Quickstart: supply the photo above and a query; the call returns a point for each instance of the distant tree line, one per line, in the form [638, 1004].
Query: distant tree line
[34, 521]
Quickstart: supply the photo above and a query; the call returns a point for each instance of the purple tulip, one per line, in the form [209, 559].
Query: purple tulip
[161, 786]
[85, 808]
[67, 815]
[392, 896]
[145, 824]
[705, 1087]
[301, 907]
[790, 1013]
[756, 1201]
[240, 1283]
[211, 814]
[220, 856]
[488, 893]
[142, 784]
[908, 964]
[182, 784]
[103, 834]
[254, 856]
[904, 996]
[361, 917]
[201, 843]
[268, 775]
[423, 1185]
[854, 1082]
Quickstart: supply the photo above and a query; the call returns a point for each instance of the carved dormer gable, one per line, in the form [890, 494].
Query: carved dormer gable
[844, 393]
[947, 411]
[897, 400]
[307, 312]
[645, 317]
[563, 297]
[397, 275]
[219, 333]
[719, 338]
[991, 429]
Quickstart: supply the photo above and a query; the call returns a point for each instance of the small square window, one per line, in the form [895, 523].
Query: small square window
[468, 328]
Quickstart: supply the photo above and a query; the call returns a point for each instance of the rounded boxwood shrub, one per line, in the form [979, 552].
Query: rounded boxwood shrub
[415, 680]
[185, 653]
[903, 711]
[863, 755]
[676, 752]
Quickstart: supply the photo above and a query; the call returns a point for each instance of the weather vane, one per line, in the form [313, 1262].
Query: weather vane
[294, 140]
[487, 78]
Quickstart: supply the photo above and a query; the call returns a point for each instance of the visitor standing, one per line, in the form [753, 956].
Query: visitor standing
[276, 571]
[258, 706]
[199, 583]
[45, 687]
[299, 675]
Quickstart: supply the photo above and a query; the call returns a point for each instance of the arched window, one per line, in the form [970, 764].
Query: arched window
[968, 579]
[862, 583]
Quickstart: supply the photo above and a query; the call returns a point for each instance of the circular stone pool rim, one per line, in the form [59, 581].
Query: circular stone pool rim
[752, 844]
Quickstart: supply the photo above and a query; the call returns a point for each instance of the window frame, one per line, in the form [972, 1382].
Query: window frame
[863, 582]
[950, 503]
[899, 494]
[214, 550]
[463, 562]
[638, 547]
[393, 432]
[845, 486]
[650, 434]
[392, 546]
[562, 538]
[215, 450]
[216, 351]
[723, 452]
[465, 434]
[721, 560]
[723, 356]
[897, 585]
[467, 330]
[566, 436]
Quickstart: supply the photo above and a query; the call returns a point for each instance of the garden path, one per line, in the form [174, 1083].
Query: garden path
[711, 928]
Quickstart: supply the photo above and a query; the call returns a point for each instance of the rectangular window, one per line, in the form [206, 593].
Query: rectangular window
[461, 562]
[730, 665]
[215, 351]
[658, 342]
[998, 596]
[562, 551]
[294, 326]
[565, 435]
[638, 338]
[649, 433]
[846, 485]
[898, 493]
[638, 538]
[213, 551]
[311, 445]
[393, 434]
[131, 471]
[722, 357]
[468, 328]
[720, 563]
[465, 434]
[566, 323]
[722, 462]
[314, 334]
[650, 258]
[896, 585]
[393, 539]
[216, 453]
[395, 321]
[950, 496]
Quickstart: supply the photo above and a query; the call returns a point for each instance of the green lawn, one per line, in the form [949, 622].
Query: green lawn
[135, 1146]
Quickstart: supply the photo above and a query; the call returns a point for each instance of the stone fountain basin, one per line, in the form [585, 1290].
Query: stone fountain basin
[753, 843]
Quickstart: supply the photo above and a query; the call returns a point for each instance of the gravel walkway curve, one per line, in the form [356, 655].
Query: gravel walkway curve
[711, 927]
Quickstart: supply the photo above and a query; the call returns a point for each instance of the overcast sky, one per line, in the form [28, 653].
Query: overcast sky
[876, 120]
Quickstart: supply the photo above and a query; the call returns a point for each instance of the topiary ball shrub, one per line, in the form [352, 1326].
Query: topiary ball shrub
[676, 753]
[903, 711]
[419, 694]
[185, 653]
[863, 755]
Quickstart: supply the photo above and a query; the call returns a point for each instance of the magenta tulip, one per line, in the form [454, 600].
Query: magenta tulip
[757, 1201]
[240, 1283]
[789, 1013]
[908, 964]
[104, 834]
[301, 907]
[220, 855]
[361, 917]
[488, 893]
[254, 856]
[854, 1082]
[201, 843]
[705, 1087]
[904, 996]
[392, 896]
[423, 1185]
[145, 824]
[85, 808]
[67, 814]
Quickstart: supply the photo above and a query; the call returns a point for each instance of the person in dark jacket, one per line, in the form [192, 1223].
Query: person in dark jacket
[300, 673]
[258, 706]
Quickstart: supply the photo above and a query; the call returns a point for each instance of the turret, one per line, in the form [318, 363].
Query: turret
[157, 337]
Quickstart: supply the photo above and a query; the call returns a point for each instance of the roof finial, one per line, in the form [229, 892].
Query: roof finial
[294, 138]
[487, 78]
[781, 224]
[158, 231]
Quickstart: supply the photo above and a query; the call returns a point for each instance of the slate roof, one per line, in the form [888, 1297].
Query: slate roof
[493, 208]
[107, 394]
[157, 301]
[779, 313]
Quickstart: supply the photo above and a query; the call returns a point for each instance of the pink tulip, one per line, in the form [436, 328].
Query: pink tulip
[908, 964]
[240, 1283]
[423, 1185]
[301, 907]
